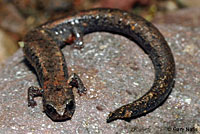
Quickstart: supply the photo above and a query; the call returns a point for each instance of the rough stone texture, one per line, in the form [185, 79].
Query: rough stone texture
[115, 71]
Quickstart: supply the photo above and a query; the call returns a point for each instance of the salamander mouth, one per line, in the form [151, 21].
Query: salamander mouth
[55, 116]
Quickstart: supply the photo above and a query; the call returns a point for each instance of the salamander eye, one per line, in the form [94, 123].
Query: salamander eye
[50, 109]
[70, 105]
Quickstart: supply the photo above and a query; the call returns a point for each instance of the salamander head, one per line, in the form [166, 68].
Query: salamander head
[59, 105]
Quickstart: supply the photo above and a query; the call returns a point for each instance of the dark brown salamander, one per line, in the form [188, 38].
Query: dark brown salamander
[42, 49]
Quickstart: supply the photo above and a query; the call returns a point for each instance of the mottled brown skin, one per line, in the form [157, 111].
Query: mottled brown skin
[47, 59]
[42, 49]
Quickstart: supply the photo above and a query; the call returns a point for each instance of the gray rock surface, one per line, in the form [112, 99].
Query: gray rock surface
[115, 71]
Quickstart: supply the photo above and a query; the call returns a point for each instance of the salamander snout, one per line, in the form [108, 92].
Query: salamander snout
[60, 112]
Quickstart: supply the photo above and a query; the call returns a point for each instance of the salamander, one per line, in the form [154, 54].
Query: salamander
[42, 48]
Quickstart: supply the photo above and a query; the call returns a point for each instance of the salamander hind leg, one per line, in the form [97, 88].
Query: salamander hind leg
[78, 43]
[32, 93]
[75, 81]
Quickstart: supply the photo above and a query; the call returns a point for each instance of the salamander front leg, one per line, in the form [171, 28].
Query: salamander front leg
[75, 81]
[78, 43]
[32, 93]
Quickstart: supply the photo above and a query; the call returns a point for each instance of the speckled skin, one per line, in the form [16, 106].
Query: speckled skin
[42, 49]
